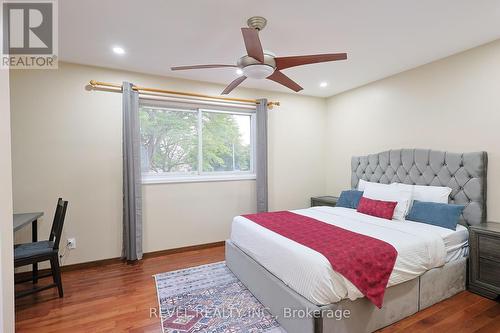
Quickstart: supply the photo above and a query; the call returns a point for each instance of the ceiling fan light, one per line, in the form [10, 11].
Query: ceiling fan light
[258, 71]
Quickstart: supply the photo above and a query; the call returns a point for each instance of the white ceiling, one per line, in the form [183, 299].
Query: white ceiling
[381, 37]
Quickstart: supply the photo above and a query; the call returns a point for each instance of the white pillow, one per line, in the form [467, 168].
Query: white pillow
[438, 194]
[393, 192]
[362, 183]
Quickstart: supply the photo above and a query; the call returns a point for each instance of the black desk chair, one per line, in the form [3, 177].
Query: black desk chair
[33, 253]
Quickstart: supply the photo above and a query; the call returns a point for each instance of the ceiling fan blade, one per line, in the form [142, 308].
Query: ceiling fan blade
[233, 85]
[281, 78]
[286, 62]
[180, 68]
[252, 43]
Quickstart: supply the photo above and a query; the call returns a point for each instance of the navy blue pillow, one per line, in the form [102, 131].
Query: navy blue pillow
[349, 199]
[439, 214]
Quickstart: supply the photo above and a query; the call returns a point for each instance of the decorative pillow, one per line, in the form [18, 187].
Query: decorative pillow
[378, 208]
[349, 199]
[390, 192]
[439, 214]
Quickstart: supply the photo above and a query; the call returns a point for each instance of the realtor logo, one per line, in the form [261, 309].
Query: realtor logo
[29, 38]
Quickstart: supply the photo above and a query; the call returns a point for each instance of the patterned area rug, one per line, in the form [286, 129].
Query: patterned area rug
[210, 298]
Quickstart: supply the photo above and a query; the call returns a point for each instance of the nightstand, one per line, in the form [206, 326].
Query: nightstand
[326, 200]
[484, 270]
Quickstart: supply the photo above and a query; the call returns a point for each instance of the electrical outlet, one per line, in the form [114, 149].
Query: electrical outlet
[71, 243]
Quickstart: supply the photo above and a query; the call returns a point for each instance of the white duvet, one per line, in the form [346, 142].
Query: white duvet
[420, 247]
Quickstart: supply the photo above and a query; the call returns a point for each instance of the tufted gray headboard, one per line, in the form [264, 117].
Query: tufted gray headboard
[465, 173]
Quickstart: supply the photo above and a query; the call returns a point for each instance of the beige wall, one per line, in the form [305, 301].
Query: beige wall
[6, 258]
[66, 141]
[452, 104]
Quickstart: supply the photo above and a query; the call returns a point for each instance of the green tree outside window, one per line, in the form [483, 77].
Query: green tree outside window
[170, 141]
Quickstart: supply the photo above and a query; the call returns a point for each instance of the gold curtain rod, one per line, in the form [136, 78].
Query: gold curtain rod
[95, 83]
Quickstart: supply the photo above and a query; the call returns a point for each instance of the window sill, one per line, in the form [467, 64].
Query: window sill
[146, 180]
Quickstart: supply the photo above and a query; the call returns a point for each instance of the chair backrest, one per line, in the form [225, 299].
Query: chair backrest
[57, 224]
[52, 229]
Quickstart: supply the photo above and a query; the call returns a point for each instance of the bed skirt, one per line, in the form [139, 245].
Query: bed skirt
[296, 314]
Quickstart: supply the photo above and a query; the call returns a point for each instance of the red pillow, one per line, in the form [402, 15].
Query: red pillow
[378, 208]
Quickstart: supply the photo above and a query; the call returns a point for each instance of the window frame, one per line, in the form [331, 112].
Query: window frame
[200, 175]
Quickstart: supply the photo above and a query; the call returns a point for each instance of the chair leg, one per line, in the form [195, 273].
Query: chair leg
[34, 239]
[56, 274]
[35, 273]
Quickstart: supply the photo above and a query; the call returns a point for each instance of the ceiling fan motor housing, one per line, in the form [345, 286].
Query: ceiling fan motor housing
[254, 69]
[247, 60]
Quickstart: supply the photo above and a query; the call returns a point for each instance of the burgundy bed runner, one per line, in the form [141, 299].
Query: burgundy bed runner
[365, 261]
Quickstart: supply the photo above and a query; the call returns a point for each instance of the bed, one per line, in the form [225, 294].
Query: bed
[431, 263]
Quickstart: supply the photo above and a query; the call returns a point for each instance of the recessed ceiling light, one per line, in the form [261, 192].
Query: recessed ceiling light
[323, 84]
[118, 50]
[239, 71]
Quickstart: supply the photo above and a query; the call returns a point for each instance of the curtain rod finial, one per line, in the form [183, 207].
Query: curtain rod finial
[270, 105]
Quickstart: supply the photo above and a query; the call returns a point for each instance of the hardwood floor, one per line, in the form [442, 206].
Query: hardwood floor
[464, 312]
[112, 298]
[118, 298]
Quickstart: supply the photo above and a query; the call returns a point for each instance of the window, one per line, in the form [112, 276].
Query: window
[196, 144]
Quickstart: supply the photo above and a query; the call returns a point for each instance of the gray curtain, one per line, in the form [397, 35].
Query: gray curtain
[261, 163]
[132, 191]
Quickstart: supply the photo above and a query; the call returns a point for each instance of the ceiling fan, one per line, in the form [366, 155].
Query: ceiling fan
[261, 64]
